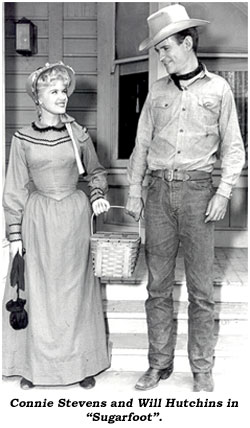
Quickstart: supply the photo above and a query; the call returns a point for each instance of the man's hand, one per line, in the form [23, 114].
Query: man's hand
[134, 207]
[217, 208]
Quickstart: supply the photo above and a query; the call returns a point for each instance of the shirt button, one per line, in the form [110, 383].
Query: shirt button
[179, 152]
[181, 130]
[183, 109]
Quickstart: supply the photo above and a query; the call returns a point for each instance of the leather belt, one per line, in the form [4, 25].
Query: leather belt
[180, 175]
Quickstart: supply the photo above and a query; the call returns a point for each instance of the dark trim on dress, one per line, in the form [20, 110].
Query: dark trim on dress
[47, 128]
[37, 141]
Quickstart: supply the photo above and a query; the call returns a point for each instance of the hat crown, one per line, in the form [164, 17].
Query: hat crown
[166, 22]
[166, 16]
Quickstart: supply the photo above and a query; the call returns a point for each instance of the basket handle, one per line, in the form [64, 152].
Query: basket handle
[113, 206]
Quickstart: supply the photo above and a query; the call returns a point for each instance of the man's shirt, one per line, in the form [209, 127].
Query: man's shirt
[188, 130]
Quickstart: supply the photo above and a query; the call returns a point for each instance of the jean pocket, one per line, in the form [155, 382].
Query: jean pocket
[201, 185]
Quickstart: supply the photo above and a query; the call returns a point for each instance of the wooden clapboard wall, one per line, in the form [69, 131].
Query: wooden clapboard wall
[70, 32]
[65, 31]
[80, 51]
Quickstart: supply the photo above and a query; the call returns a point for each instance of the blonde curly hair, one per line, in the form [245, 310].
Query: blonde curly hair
[48, 77]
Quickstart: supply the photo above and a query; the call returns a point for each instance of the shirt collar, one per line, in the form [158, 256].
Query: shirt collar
[201, 75]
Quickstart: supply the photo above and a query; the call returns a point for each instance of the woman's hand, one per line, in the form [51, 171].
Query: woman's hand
[100, 206]
[16, 246]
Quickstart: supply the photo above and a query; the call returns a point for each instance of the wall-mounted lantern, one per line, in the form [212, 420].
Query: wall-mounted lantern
[25, 37]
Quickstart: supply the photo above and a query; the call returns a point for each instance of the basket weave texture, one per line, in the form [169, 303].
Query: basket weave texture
[115, 254]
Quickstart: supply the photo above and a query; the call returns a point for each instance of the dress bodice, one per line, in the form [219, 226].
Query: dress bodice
[51, 162]
[46, 157]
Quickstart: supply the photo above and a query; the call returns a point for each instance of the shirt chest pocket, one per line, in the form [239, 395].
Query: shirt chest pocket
[209, 107]
[162, 109]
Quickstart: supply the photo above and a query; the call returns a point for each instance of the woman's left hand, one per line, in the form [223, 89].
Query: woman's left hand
[100, 206]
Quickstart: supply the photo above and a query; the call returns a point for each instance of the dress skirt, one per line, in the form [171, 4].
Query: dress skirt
[65, 340]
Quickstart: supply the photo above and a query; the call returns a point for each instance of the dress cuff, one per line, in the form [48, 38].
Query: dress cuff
[225, 190]
[15, 232]
[95, 194]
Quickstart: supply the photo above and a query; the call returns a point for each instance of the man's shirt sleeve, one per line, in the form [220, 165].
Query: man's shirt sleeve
[232, 152]
[138, 160]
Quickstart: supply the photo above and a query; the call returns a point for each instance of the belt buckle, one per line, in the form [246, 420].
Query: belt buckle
[170, 175]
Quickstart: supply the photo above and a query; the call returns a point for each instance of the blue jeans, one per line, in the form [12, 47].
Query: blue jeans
[174, 214]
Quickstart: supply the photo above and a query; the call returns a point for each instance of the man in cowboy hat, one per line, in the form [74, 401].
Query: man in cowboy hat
[188, 119]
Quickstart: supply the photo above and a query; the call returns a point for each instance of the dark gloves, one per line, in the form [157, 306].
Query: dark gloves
[17, 272]
[18, 315]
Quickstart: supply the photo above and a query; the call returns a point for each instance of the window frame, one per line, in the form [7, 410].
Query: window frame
[108, 81]
[109, 70]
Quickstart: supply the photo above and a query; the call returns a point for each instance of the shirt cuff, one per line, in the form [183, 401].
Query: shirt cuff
[225, 190]
[135, 191]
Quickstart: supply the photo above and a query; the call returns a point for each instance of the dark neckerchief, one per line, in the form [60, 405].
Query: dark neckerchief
[176, 78]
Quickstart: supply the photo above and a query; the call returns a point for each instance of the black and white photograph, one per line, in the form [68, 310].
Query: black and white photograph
[124, 225]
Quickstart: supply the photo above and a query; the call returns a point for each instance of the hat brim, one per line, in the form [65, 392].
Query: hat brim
[31, 82]
[170, 30]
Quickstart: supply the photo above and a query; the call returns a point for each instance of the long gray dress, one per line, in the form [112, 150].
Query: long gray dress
[65, 340]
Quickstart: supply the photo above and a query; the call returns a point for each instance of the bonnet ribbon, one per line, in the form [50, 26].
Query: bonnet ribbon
[77, 156]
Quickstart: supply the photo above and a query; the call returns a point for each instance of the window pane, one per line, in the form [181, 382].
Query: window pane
[132, 94]
[131, 28]
[238, 81]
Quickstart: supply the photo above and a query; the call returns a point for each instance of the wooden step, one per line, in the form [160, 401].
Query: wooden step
[230, 267]
[124, 308]
[131, 326]
[129, 352]
[130, 317]
[224, 345]
[222, 292]
[136, 308]
[137, 361]
[230, 278]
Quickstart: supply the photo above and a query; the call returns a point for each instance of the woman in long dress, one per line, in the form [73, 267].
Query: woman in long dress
[65, 340]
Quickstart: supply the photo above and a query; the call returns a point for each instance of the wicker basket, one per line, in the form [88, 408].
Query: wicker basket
[114, 254]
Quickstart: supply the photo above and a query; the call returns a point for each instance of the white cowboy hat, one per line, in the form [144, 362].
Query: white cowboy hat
[31, 83]
[166, 22]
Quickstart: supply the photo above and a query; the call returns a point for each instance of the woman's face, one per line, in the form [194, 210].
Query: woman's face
[53, 98]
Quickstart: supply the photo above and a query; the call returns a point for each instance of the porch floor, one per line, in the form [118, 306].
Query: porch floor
[112, 382]
[230, 267]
